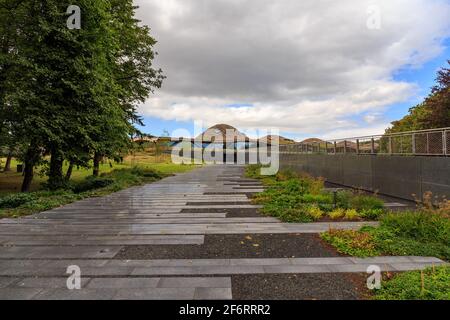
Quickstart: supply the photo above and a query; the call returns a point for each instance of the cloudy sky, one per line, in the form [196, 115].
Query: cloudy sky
[322, 68]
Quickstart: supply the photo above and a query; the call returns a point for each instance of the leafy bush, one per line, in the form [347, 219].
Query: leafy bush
[422, 226]
[317, 198]
[351, 214]
[431, 284]
[337, 213]
[253, 171]
[16, 200]
[372, 214]
[316, 213]
[408, 233]
[295, 197]
[92, 183]
[343, 199]
[361, 202]
[351, 242]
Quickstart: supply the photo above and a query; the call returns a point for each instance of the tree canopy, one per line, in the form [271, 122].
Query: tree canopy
[71, 94]
[433, 113]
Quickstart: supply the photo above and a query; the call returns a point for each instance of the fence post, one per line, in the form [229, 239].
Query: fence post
[357, 146]
[335, 147]
[414, 143]
[444, 143]
[373, 145]
[345, 146]
[390, 145]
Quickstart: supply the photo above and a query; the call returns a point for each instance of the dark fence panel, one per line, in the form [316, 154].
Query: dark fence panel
[398, 176]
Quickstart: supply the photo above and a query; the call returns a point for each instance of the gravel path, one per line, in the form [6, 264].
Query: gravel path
[236, 246]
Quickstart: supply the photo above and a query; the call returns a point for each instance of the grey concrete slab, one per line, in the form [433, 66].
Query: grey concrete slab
[106, 271]
[83, 294]
[163, 271]
[6, 264]
[58, 252]
[297, 269]
[210, 282]
[378, 260]
[415, 266]
[425, 259]
[18, 293]
[350, 268]
[47, 283]
[320, 261]
[213, 294]
[64, 263]
[155, 294]
[123, 283]
[5, 282]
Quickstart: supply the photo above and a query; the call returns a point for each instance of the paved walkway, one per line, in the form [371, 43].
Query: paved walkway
[178, 211]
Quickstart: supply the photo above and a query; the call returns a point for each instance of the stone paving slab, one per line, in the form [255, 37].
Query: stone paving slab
[222, 267]
[65, 294]
[213, 294]
[57, 252]
[160, 220]
[266, 266]
[18, 293]
[5, 282]
[45, 283]
[155, 294]
[172, 229]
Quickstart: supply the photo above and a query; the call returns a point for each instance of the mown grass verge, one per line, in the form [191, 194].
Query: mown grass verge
[15, 205]
[293, 197]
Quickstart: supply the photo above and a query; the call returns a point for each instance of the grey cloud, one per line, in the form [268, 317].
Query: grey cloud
[283, 53]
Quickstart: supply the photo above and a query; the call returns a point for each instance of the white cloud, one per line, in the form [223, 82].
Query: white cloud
[304, 66]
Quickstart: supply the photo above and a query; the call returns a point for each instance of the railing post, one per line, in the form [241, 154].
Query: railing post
[428, 143]
[335, 147]
[414, 143]
[357, 146]
[372, 146]
[444, 143]
[390, 145]
[345, 146]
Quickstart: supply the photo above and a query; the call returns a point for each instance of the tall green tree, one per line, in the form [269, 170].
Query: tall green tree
[135, 78]
[74, 91]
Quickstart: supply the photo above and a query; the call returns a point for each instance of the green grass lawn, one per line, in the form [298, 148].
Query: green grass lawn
[135, 170]
[11, 182]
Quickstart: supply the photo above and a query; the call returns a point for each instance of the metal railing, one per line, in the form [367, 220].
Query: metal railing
[434, 142]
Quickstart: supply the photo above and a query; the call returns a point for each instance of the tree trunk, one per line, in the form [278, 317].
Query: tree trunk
[31, 158]
[8, 162]
[97, 159]
[69, 171]
[55, 177]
